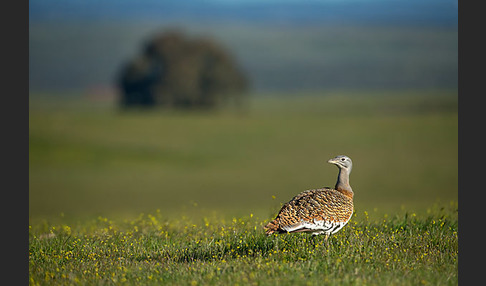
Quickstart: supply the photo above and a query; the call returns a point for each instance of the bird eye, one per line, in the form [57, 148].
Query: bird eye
[342, 159]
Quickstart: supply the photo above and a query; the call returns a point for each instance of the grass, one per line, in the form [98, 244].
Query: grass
[170, 197]
[211, 250]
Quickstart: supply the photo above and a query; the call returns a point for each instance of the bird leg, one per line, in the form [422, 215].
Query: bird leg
[313, 239]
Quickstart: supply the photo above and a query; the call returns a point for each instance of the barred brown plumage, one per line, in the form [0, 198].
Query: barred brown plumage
[318, 211]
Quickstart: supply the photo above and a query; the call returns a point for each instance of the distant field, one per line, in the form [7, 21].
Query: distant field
[274, 56]
[87, 158]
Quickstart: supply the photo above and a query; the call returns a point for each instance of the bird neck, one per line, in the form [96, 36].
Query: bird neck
[342, 184]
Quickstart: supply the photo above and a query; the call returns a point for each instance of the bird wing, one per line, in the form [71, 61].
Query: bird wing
[320, 209]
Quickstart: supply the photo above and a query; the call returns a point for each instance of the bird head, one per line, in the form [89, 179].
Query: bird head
[342, 162]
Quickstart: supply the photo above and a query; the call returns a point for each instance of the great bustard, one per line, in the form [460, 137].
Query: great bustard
[318, 211]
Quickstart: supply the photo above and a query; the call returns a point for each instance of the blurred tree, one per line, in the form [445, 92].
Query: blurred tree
[180, 72]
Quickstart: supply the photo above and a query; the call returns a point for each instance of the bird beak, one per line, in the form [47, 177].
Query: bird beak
[332, 161]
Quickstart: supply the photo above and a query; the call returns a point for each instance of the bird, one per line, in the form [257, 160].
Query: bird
[318, 211]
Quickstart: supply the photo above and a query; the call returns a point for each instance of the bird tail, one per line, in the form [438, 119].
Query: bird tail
[271, 227]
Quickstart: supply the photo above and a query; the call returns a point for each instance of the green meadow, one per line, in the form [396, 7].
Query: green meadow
[180, 197]
[212, 250]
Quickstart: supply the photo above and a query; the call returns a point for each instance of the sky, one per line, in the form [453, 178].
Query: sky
[82, 43]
